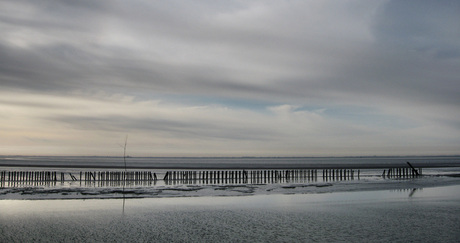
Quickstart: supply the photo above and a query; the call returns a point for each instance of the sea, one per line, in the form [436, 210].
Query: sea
[228, 162]
[362, 202]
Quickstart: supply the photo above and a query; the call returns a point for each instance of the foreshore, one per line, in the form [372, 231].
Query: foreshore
[161, 189]
[392, 215]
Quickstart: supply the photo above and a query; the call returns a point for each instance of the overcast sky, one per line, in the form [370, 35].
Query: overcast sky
[230, 78]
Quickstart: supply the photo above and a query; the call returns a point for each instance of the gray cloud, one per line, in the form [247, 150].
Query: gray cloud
[421, 26]
[168, 127]
[280, 53]
[396, 58]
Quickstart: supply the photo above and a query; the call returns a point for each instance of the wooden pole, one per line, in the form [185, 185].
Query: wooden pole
[413, 169]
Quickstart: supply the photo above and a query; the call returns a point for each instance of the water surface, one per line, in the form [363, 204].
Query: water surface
[420, 215]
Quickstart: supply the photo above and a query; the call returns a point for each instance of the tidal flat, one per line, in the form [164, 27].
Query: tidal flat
[421, 215]
[370, 207]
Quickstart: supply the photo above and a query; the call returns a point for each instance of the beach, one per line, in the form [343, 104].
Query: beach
[426, 215]
[304, 205]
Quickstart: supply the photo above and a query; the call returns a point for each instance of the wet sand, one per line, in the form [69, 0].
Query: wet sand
[403, 215]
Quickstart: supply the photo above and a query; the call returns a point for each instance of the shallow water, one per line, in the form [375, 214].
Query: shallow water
[421, 215]
[230, 162]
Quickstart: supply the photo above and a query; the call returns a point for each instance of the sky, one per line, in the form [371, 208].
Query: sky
[230, 78]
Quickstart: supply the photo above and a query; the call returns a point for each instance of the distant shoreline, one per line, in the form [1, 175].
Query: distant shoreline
[229, 163]
[236, 167]
[229, 157]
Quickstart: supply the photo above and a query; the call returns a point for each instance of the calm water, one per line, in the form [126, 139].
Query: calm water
[232, 163]
[423, 215]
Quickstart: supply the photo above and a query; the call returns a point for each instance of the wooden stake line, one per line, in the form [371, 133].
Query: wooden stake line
[195, 176]
[402, 172]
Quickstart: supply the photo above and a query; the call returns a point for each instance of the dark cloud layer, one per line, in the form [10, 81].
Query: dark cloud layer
[282, 48]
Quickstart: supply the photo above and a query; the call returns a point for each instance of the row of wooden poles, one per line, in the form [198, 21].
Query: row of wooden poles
[340, 174]
[28, 176]
[119, 176]
[204, 176]
[24, 176]
[403, 172]
[257, 176]
[40, 176]
[194, 176]
[239, 175]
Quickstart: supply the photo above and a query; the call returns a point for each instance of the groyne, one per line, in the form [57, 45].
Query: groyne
[197, 176]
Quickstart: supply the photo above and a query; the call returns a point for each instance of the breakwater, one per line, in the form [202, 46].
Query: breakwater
[401, 173]
[240, 176]
[196, 176]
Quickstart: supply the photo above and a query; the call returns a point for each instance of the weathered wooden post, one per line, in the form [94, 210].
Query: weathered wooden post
[413, 169]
